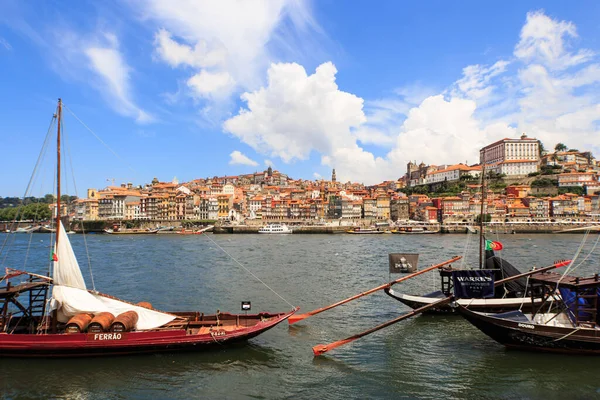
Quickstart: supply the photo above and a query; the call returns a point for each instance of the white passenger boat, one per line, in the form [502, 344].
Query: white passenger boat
[275, 228]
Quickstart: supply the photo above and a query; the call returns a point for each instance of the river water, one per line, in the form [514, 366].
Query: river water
[424, 357]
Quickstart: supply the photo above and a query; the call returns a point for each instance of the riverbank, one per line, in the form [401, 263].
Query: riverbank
[506, 228]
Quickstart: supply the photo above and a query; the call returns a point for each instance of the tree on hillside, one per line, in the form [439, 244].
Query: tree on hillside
[560, 147]
[37, 212]
[541, 148]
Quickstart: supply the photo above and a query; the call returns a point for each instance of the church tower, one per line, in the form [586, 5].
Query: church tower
[333, 176]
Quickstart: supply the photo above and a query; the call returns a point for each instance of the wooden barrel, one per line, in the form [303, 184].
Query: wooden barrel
[101, 322]
[124, 322]
[144, 304]
[78, 323]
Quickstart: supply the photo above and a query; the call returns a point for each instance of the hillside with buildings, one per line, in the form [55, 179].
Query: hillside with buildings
[524, 184]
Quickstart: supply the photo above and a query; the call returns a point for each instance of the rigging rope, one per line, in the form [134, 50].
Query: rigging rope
[29, 185]
[97, 137]
[250, 272]
[589, 254]
[87, 253]
[467, 245]
[570, 267]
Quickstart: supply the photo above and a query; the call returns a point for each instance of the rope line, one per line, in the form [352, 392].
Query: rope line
[87, 253]
[570, 267]
[568, 334]
[250, 272]
[29, 184]
[98, 138]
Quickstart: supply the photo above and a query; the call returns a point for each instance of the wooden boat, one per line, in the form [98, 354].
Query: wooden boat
[511, 296]
[184, 231]
[565, 323]
[37, 323]
[364, 231]
[415, 230]
[131, 231]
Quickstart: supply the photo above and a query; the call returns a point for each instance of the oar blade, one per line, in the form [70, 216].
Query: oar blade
[321, 349]
[296, 318]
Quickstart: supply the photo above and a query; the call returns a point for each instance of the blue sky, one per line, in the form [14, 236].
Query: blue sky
[229, 87]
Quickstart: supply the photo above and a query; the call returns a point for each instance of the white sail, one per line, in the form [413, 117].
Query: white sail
[70, 296]
[66, 269]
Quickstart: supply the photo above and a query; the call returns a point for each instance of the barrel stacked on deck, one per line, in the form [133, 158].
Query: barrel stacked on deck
[104, 321]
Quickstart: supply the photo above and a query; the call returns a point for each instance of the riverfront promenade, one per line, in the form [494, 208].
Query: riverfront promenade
[500, 228]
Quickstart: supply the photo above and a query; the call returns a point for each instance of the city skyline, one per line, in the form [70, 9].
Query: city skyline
[215, 89]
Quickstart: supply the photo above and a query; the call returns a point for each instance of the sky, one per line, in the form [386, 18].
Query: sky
[195, 89]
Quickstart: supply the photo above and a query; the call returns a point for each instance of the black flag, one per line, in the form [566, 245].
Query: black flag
[403, 262]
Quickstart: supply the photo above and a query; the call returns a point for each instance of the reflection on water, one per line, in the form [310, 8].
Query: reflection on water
[424, 357]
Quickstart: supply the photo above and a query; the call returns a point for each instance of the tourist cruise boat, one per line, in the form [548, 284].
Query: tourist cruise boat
[275, 228]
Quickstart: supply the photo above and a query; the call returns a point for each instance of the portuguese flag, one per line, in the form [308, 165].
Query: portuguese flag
[491, 245]
[54, 257]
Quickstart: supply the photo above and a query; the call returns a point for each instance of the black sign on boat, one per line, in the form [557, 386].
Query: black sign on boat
[475, 283]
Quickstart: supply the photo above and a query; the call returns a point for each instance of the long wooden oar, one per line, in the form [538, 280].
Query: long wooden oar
[324, 348]
[321, 348]
[295, 318]
[533, 272]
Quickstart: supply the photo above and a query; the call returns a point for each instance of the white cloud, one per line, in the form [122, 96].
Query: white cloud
[545, 40]
[269, 163]
[546, 91]
[475, 83]
[211, 85]
[227, 38]
[108, 64]
[5, 44]
[238, 158]
[442, 131]
[176, 54]
[297, 113]
[415, 93]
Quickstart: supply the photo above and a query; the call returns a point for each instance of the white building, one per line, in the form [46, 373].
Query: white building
[228, 188]
[577, 179]
[453, 173]
[512, 157]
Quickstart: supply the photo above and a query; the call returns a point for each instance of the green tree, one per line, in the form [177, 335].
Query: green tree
[560, 147]
[49, 199]
[571, 189]
[37, 212]
[8, 214]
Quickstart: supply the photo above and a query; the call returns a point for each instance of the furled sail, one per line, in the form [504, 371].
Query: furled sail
[66, 269]
[70, 296]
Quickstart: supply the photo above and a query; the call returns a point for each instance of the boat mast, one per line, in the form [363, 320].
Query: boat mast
[481, 216]
[58, 171]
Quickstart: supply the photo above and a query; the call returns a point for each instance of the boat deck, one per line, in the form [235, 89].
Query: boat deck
[571, 282]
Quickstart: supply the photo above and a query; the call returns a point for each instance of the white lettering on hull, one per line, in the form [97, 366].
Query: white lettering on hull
[528, 326]
[106, 336]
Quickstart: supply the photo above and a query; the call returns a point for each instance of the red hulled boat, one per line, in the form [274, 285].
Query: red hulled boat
[42, 316]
